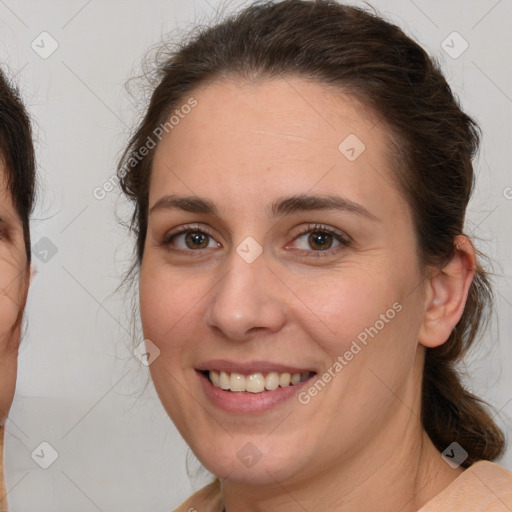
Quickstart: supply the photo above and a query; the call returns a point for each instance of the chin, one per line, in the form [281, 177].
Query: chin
[247, 464]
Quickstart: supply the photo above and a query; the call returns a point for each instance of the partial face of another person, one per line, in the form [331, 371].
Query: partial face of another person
[241, 278]
[14, 280]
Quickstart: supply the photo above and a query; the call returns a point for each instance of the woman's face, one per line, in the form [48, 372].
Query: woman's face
[247, 290]
[14, 279]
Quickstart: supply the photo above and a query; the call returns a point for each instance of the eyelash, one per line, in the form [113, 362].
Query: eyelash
[317, 228]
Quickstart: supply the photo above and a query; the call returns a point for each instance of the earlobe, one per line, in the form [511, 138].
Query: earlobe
[447, 292]
[33, 272]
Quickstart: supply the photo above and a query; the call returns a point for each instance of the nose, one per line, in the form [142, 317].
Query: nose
[248, 299]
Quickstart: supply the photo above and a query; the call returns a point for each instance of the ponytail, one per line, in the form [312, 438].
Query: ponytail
[450, 412]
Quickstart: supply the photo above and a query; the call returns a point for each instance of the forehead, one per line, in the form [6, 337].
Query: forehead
[290, 134]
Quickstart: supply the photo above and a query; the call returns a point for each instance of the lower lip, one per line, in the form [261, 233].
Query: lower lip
[245, 402]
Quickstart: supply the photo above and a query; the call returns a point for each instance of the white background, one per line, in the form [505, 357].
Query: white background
[79, 388]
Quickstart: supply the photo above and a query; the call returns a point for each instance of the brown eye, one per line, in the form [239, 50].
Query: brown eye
[189, 239]
[196, 240]
[320, 240]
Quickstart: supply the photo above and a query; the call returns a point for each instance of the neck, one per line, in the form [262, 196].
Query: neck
[397, 478]
[396, 468]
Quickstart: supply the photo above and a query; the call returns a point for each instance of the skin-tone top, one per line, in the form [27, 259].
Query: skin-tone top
[483, 487]
[3, 499]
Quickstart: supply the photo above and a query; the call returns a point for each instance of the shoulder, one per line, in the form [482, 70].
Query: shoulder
[207, 499]
[483, 487]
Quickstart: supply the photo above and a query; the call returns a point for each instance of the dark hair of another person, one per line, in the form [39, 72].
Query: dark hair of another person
[433, 142]
[17, 153]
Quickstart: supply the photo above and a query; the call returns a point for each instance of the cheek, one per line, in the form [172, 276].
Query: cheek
[168, 304]
[9, 313]
[345, 307]
[11, 303]
[13, 280]
[366, 324]
[12, 296]
[8, 362]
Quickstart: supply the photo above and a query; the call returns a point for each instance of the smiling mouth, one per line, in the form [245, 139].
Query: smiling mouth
[255, 382]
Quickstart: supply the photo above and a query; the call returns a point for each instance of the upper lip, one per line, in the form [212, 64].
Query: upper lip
[249, 367]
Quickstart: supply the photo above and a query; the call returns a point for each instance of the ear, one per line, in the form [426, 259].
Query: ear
[33, 272]
[446, 294]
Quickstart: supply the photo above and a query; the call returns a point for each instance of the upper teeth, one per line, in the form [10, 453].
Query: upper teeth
[255, 382]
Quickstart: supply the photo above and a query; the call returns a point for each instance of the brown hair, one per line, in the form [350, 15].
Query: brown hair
[434, 143]
[17, 151]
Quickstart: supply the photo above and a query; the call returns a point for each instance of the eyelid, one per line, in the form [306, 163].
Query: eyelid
[343, 239]
[313, 227]
[185, 228]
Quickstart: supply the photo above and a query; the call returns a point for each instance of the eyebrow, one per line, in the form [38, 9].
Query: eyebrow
[280, 207]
